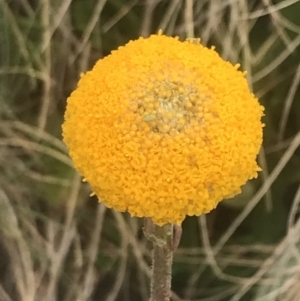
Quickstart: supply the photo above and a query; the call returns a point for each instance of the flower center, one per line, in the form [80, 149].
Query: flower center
[169, 108]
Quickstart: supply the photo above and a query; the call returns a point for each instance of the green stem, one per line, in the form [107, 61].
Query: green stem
[162, 238]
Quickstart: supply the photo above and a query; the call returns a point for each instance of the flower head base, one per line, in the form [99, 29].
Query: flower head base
[164, 129]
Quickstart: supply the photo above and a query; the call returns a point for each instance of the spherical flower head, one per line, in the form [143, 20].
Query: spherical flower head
[164, 129]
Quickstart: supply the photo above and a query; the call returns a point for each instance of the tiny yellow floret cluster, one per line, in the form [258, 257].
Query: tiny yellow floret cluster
[164, 129]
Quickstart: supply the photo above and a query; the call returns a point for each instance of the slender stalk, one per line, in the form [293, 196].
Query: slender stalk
[162, 264]
[162, 238]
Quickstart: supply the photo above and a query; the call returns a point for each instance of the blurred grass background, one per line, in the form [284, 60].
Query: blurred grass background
[57, 243]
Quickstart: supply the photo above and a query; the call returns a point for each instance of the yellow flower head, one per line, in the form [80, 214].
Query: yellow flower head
[164, 129]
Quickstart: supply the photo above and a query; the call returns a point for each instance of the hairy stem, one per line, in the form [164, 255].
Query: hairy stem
[162, 238]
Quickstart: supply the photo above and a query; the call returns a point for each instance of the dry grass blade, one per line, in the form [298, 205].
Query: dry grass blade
[89, 277]
[266, 186]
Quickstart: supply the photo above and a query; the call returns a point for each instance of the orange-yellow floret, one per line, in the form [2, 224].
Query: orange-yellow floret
[164, 129]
